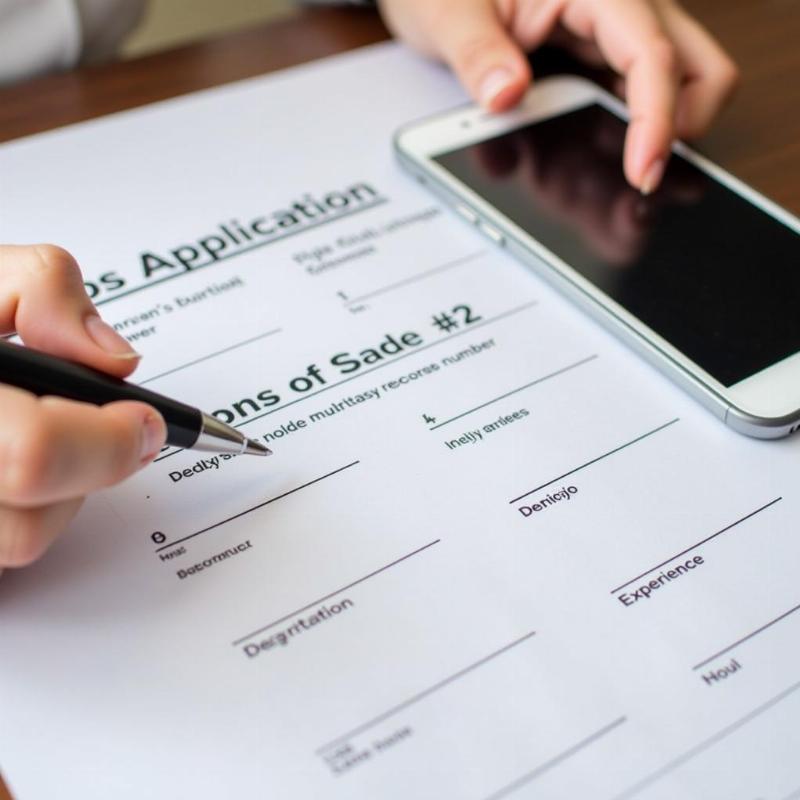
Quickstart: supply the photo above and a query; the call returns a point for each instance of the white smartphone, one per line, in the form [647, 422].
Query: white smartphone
[702, 277]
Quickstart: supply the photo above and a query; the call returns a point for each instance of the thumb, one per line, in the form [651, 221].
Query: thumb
[42, 298]
[489, 63]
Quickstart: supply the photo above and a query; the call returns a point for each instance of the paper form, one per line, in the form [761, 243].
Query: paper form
[494, 554]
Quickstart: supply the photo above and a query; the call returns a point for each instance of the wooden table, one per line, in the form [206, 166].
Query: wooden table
[758, 138]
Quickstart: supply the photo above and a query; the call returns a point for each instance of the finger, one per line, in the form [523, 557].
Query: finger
[53, 449]
[709, 74]
[472, 38]
[27, 533]
[44, 300]
[631, 37]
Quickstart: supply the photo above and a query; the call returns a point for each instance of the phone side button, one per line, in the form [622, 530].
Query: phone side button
[493, 234]
[468, 214]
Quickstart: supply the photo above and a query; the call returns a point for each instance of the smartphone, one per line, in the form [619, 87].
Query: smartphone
[702, 277]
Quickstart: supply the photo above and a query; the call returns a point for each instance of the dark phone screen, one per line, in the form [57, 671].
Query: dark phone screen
[712, 274]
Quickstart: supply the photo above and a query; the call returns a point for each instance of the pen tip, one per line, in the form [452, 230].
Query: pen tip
[255, 448]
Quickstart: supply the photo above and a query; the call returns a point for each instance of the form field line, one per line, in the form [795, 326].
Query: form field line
[556, 760]
[256, 507]
[415, 278]
[747, 637]
[695, 546]
[423, 694]
[706, 744]
[542, 379]
[211, 355]
[595, 460]
[247, 637]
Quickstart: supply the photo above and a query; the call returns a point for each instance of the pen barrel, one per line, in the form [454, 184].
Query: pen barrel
[42, 374]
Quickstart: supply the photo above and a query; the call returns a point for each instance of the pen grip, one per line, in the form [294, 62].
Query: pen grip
[43, 374]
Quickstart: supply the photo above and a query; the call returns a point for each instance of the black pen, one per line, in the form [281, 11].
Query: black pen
[188, 427]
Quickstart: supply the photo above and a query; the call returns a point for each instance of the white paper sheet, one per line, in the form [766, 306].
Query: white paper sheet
[433, 589]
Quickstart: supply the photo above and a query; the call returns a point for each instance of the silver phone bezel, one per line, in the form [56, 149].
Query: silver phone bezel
[750, 406]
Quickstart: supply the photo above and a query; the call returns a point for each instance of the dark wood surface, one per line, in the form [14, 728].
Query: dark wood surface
[56, 100]
[758, 137]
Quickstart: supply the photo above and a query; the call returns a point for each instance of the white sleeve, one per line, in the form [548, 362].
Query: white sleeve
[38, 36]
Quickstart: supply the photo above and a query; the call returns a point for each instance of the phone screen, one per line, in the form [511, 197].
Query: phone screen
[708, 271]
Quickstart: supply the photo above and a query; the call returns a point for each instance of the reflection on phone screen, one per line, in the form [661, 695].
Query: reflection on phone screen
[713, 274]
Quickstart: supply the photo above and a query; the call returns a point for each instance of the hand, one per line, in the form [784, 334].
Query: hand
[55, 451]
[674, 75]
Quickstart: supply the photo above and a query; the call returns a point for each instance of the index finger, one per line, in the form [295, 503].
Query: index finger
[43, 299]
[635, 43]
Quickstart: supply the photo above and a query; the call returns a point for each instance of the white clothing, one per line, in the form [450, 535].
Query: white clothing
[39, 36]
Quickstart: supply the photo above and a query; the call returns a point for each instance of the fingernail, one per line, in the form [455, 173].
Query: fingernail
[652, 177]
[106, 337]
[152, 437]
[497, 81]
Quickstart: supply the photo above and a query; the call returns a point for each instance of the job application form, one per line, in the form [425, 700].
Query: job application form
[494, 554]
